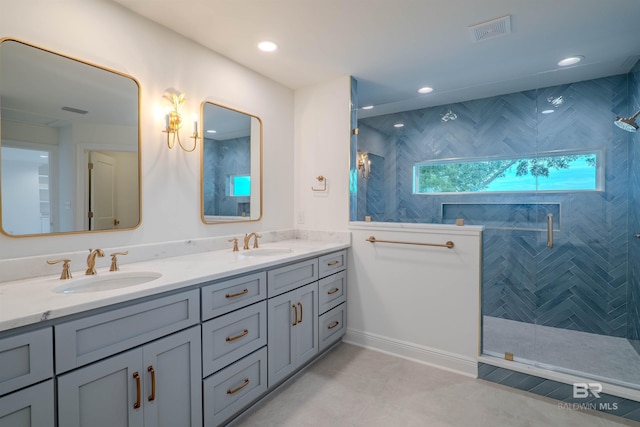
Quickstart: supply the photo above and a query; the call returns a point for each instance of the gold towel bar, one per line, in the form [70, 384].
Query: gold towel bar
[448, 245]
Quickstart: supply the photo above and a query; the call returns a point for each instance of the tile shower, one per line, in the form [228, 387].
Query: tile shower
[222, 159]
[573, 308]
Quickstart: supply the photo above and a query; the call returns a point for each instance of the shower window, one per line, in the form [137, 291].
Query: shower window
[239, 185]
[553, 171]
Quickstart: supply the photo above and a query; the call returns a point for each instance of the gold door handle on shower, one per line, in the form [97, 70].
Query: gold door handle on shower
[550, 231]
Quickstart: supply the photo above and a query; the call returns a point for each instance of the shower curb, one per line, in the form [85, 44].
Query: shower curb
[564, 393]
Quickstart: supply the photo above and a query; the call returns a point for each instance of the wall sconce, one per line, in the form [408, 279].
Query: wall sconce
[173, 120]
[364, 165]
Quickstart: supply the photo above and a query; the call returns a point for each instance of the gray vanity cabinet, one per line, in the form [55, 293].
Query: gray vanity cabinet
[26, 360]
[157, 384]
[293, 331]
[332, 306]
[30, 407]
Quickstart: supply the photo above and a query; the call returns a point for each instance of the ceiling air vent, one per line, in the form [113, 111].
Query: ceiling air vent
[491, 29]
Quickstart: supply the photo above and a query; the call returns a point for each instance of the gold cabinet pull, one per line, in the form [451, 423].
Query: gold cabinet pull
[295, 322]
[240, 387]
[229, 296]
[300, 305]
[136, 376]
[237, 337]
[329, 264]
[333, 325]
[152, 371]
[333, 291]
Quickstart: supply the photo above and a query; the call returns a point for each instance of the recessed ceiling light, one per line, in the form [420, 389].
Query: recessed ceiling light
[398, 125]
[368, 107]
[267, 46]
[547, 111]
[572, 60]
[425, 89]
[211, 131]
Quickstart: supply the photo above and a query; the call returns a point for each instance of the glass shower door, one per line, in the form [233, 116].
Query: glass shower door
[582, 278]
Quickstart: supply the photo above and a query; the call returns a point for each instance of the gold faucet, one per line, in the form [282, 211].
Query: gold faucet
[66, 271]
[235, 244]
[91, 261]
[114, 260]
[247, 239]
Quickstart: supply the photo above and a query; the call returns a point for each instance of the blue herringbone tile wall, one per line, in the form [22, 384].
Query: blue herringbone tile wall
[633, 294]
[223, 158]
[581, 283]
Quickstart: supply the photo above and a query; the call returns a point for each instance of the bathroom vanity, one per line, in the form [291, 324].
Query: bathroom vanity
[196, 346]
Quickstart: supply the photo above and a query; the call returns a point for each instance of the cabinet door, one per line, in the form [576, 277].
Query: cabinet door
[103, 394]
[306, 330]
[293, 331]
[281, 316]
[31, 407]
[172, 381]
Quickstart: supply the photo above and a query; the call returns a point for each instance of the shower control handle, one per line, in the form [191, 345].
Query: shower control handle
[550, 231]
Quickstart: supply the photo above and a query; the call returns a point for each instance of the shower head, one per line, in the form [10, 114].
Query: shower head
[629, 124]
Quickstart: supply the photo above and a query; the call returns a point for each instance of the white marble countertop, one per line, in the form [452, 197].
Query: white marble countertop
[29, 301]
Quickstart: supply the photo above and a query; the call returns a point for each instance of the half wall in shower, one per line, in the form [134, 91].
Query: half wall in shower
[557, 186]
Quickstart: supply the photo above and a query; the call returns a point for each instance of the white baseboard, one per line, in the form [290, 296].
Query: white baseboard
[430, 356]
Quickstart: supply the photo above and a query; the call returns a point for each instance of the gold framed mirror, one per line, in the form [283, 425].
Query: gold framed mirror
[70, 144]
[231, 165]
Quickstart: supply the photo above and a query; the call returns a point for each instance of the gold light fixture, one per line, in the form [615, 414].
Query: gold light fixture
[173, 120]
[364, 165]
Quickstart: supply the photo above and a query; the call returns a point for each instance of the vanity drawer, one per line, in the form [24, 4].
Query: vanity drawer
[25, 359]
[332, 326]
[333, 291]
[232, 389]
[32, 406]
[331, 263]
[283, 279]
[223, 297]
[86, 340]
[233, 336]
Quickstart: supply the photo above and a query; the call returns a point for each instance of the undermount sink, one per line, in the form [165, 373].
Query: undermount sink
[266, 251]
[106, 282]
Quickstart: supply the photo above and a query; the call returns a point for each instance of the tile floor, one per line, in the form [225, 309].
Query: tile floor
[353, 386]
[600, 357]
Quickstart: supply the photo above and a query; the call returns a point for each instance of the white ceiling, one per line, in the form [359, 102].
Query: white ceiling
[393, 47]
